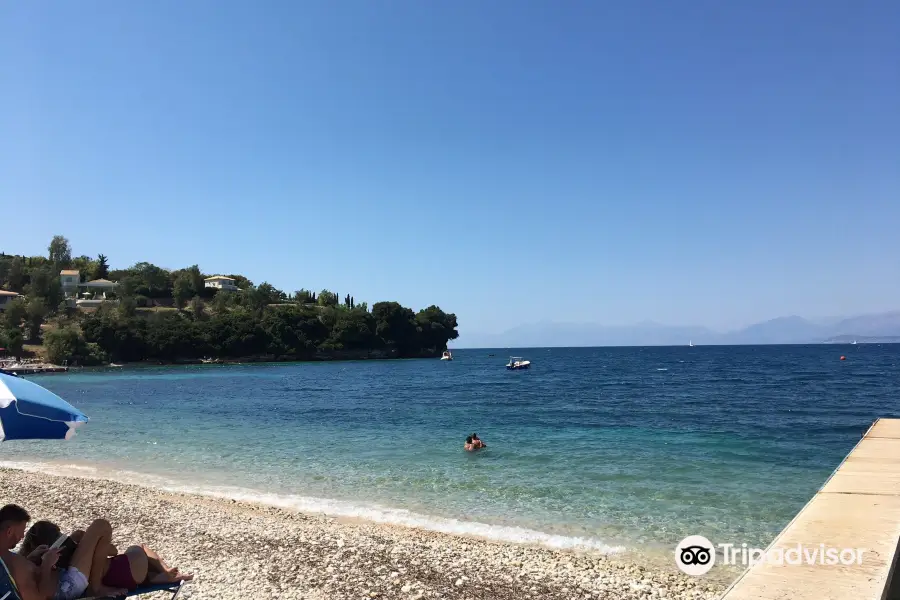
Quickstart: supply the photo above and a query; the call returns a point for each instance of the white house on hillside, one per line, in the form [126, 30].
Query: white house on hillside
[93, 293]
[7, 297]
[69, 280]
[99, 286]
[87, 294]
[220, 282]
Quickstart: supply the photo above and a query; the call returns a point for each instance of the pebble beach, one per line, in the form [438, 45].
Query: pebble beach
[239, 550]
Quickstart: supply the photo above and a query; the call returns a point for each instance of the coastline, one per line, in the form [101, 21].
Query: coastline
[323, 356]
[236, 548]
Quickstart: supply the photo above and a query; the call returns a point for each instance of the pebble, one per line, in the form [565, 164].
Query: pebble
[238, 549]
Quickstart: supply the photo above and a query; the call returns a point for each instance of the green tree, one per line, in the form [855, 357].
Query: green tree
[36, 310]
[241, 281]
[129, 284]
[45, 285]
[64, 314]
[68, 345]
[354, 330]
[122, 338]
[285, 331]
[5, 265]
[327, 298]
[435, 328]
[127, 306]
[13, 341]
[101, 270]
[396, 326]
[15, 314]
[198, 308]
[86, 266]
[266, 294]
[60, 251]
[153, 281]
[198, 282]
[221, 302]
[61, 345]
[182, 290]
[17, 277]
[254, 299]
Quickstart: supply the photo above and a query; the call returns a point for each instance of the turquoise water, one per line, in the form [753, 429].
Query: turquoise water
[606, 448]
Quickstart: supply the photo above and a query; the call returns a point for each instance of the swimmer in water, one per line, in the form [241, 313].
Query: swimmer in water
[477, 443]
[469, 446]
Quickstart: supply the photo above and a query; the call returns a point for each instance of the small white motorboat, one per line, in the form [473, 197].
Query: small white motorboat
[517, 362]
[446, 355]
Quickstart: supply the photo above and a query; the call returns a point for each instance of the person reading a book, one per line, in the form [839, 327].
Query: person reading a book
[75, 560]
[138, 565]
[37, 578]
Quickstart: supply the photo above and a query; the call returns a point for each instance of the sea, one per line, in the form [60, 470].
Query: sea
[602, 449]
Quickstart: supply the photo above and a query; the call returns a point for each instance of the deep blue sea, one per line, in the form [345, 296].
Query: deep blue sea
[630, 448]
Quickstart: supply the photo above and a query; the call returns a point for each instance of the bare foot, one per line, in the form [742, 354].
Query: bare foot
[170, 576]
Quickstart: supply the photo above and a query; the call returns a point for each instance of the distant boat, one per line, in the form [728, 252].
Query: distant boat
[853, 343]
[517, 362]
[114, 365]
[690, 343]
[446, 355]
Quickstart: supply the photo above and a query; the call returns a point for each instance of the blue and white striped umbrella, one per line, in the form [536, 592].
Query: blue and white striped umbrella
[30, 412]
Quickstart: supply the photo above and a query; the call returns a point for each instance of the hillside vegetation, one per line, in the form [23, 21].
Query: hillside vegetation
[255, 322]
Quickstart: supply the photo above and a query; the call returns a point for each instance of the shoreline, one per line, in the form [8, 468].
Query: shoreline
[372, 354]
[236, 547]
[337, 356]
[340, 509]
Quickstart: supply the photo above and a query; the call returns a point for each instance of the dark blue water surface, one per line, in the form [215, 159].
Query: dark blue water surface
[632, 447]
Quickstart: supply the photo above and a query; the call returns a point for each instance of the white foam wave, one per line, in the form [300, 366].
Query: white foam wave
[329, 507]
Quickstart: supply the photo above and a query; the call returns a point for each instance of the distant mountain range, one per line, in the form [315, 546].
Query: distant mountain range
[879, 328]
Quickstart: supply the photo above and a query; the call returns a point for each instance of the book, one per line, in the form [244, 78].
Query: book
[67, 548]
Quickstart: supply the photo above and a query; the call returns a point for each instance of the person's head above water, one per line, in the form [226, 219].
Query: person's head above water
[474, 436]
[469, 440]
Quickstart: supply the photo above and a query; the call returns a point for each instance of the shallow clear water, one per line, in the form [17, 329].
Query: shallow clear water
[631, 447]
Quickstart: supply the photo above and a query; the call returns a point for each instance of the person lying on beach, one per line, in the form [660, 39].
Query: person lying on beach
[81, 574]
[477, 443]
[108, 571]
[32, 580]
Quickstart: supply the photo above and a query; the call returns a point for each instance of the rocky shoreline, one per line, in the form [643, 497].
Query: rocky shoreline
[238, 550]
[322, 356]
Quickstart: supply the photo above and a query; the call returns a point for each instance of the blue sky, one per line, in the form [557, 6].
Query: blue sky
[700, 162]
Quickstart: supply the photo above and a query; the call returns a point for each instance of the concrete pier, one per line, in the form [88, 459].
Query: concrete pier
[857, 507]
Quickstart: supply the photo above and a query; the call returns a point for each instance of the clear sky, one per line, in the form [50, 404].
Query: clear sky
[699, 162]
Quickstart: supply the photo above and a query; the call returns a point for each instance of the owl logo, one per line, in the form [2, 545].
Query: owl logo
[695, 555]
